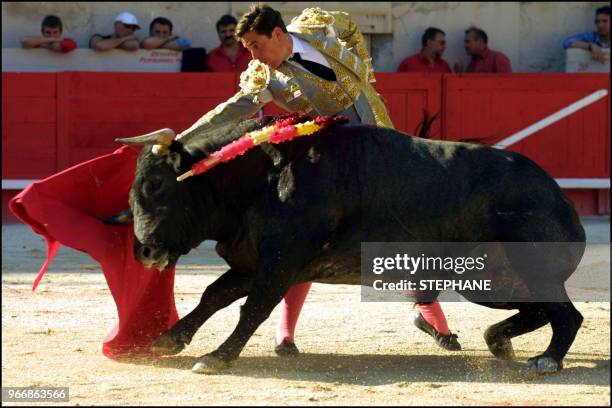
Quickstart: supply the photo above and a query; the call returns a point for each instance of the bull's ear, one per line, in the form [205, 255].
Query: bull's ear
[124, 217]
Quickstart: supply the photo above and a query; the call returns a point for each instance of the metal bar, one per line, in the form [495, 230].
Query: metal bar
[583, 183]
[594, 183]
[549, 120]
[16, 184]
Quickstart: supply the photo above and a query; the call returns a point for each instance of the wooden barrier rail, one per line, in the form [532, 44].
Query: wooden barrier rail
[51, 121]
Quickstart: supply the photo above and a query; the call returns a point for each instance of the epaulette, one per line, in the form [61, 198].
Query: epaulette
[313, 18]
[255, 78]
[342, 19]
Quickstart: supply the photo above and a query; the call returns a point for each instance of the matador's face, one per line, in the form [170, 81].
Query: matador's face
[271, 50]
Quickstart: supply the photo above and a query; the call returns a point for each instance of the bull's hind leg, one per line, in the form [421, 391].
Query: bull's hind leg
[229, 287]
[544, 267]
[565, 321]
[554, 243]
[499, 336]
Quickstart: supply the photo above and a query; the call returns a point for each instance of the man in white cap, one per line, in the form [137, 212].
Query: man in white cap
[123, 36]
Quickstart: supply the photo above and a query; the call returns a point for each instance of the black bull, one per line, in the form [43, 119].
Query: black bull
[298, 211]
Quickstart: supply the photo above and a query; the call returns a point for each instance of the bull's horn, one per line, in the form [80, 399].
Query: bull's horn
[163, 137]
[124, 217]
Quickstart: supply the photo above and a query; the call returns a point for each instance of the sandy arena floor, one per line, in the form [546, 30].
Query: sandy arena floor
[352, 352]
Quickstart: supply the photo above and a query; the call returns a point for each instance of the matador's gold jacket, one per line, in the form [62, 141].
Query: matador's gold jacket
[340, 41]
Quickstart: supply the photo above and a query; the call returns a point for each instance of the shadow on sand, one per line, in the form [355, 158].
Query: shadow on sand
[368, 369]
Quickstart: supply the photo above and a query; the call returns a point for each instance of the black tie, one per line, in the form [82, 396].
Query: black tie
[318, 69]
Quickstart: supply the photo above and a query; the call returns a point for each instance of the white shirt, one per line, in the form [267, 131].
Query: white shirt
[307, 52]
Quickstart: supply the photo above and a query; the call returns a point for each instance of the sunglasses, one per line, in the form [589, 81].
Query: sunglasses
[130, 26]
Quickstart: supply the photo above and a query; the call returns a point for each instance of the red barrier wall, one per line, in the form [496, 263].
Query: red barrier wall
[577, 146]
[29, 125]
[407, 95]
[94, 109]
[51, 121]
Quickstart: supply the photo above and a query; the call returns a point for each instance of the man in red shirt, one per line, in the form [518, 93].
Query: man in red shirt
[483, 58]
[230, 55]
[430, 57]
[51, 39]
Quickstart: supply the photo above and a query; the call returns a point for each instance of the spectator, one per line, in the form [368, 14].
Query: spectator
[51, 29]
[160, 32]
[594, 41]
[483, 58]
[430, 57]
[123, 36]
[230, 55]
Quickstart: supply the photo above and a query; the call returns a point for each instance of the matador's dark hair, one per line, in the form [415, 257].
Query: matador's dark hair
[262, 19]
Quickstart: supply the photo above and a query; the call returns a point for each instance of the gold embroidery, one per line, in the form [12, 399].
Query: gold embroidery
[318, 43]
[350, 35]
[313, 17]
[332, 100]
[347, 80]
[295, 99]
[255, 78]
[334, 97]
[347, 56]
[353, 85]
[292, 91]
[342, 19]
[381, 115]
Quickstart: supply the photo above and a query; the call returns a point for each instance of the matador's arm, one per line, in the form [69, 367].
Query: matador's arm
[244, 104]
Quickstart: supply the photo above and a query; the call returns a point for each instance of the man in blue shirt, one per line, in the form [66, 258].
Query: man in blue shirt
[593, 41]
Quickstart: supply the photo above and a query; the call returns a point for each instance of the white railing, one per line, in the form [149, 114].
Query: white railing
[595, 183]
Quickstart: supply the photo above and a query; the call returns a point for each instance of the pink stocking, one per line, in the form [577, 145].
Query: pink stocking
[291, 306]
[433, 314]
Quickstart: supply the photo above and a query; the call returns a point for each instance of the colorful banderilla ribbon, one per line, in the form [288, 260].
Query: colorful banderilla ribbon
[281, 131]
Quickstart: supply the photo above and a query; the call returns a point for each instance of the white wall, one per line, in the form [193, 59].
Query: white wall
[82, 19]
[530, 33]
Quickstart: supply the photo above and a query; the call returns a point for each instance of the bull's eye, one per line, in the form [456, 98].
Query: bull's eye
[150, 187]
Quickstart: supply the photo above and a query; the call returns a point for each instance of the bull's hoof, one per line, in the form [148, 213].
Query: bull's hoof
[210, 364]
[167, 345]
[499, 346]
[541, 365]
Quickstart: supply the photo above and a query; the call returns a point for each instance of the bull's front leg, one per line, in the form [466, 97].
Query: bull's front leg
[259, 304]
[229, 287]
[275, 275]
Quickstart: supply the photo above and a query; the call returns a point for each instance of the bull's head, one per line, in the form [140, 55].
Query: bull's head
[171, 217]
[163, 209]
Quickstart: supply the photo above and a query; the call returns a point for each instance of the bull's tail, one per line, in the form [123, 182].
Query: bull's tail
[484, 141]
[423, 128]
